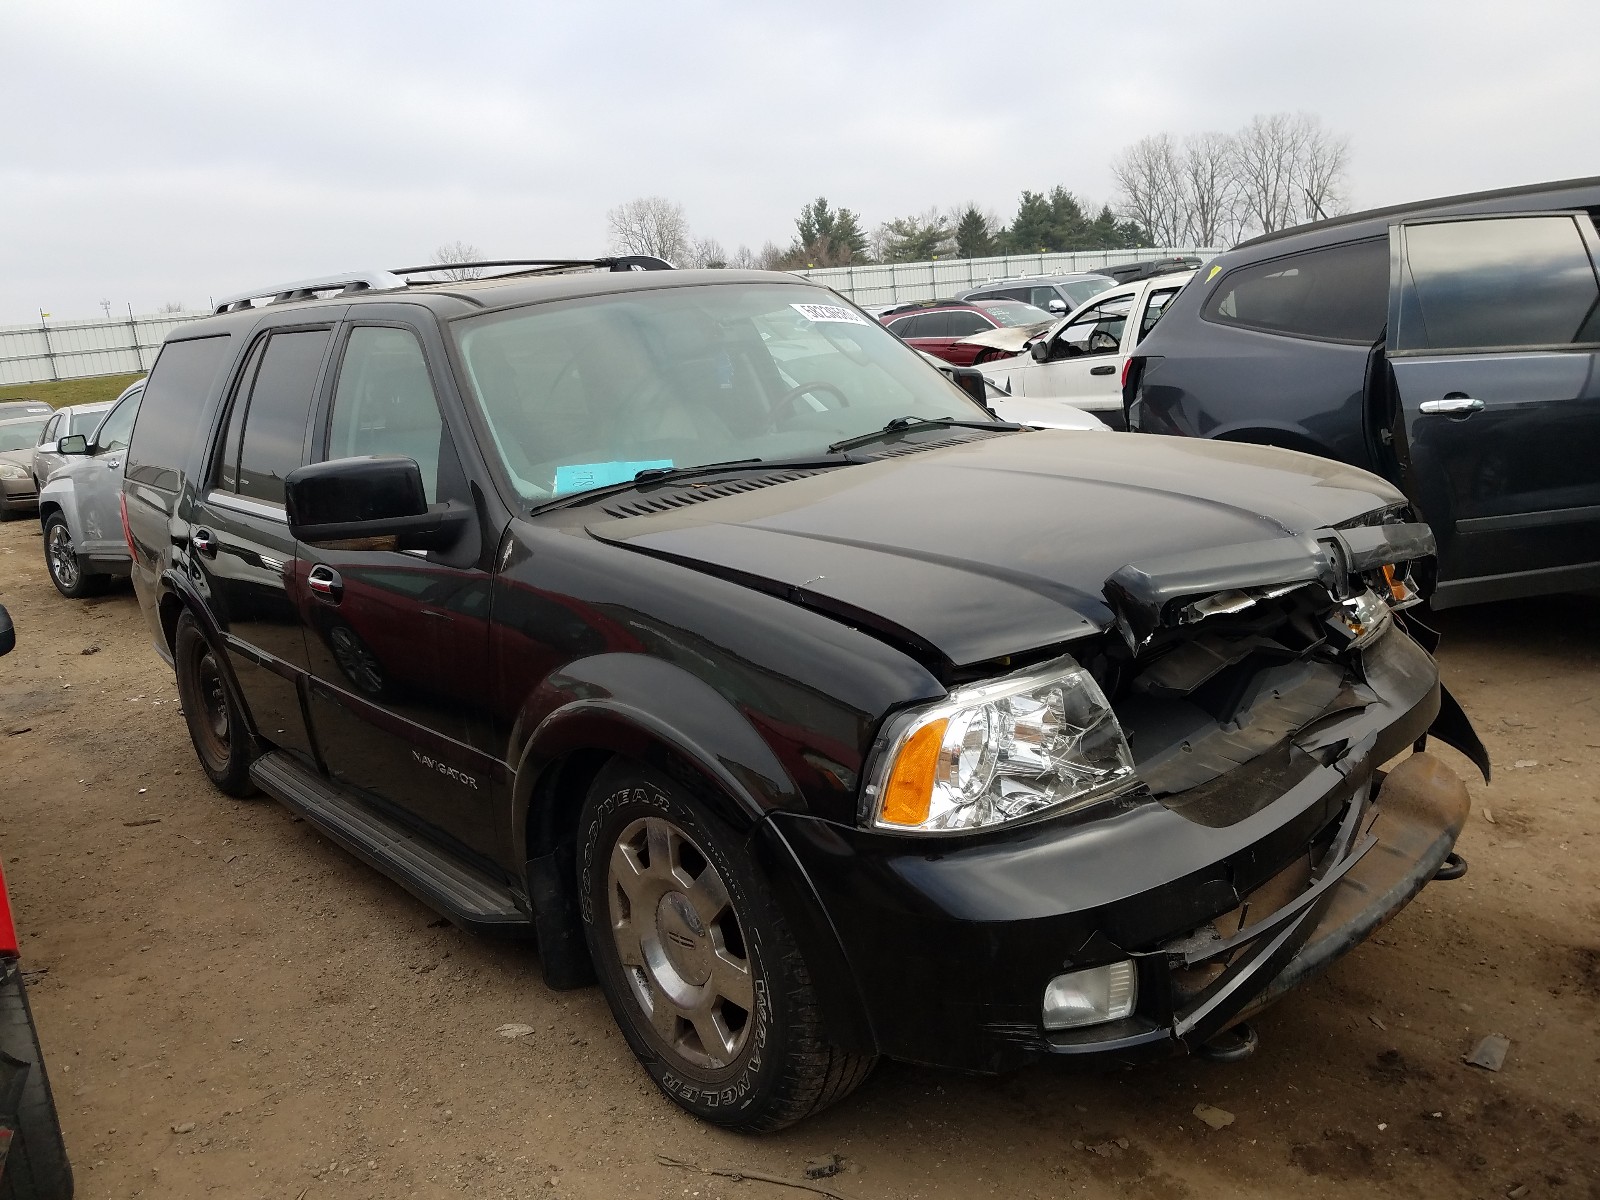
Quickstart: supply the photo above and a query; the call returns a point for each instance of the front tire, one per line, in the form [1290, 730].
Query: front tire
[699, 967]
[215, 717]
[61, 560]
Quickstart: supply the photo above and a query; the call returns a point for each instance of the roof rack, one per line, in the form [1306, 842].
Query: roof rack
[352, 282]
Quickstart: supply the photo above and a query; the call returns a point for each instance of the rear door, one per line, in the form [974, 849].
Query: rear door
[240, 547]
[1493, 338]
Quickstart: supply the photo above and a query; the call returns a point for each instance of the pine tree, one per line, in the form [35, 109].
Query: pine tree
[974, 238]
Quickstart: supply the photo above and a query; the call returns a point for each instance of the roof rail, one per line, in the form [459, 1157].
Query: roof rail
[306, 289]
[625, 262]
[385, 281]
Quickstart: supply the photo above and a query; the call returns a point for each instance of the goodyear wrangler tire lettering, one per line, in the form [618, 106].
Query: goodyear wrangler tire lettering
[696, 962]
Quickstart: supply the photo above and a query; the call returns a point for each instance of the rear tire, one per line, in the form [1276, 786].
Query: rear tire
[699, 967]
[36, 1166]
[214, 713]
[62, 561]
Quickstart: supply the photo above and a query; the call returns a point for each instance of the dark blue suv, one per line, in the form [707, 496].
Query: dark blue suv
[1452, 346]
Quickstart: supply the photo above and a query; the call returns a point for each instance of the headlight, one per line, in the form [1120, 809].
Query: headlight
[12, 471]
[998, 752]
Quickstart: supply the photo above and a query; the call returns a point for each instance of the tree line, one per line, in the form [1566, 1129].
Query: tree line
[1206, 189]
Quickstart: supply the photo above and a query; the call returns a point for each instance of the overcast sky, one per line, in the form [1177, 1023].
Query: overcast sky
[168, 151]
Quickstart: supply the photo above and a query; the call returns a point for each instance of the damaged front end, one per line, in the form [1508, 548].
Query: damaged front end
[1271, 684]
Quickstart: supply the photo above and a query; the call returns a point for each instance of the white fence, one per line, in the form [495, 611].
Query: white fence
[74, 349]
[891, 283]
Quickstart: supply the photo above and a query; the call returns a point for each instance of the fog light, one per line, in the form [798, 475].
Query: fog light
[1089, 997]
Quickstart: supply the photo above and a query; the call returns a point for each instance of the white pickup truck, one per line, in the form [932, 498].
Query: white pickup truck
[1079, 360]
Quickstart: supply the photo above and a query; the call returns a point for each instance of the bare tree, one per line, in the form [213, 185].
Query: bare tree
[705, 252]
[1211, 192]
[1269, 153]
[172, 306]
[771, 257]
[1324, 158]
[459, 254]
[745, 259]
[650, 225]
[1150, 176]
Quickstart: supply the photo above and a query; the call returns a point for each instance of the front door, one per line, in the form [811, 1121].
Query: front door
[241, 552]
[99, 484]
[1494, 342]
[1084, 360]
[397, 642]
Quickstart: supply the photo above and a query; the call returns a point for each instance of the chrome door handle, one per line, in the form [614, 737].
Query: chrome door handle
[324, 581]
[1457, 406]
[203, 542]
[113, 464]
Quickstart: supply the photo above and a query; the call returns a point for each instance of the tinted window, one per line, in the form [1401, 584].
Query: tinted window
[50, 433]
[1081, 291]
[384, 403]
[169, 414]
[934, 325]
[226, 473]
[279, 413]
[113, 435]
[1515, 281]
[909, 327]
[1040, 297]
[1338, 294]
[965, 324]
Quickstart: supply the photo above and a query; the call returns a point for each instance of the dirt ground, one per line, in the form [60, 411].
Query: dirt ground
[215, 967]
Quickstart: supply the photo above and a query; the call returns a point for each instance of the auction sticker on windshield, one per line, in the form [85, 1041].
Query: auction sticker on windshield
[830, 312]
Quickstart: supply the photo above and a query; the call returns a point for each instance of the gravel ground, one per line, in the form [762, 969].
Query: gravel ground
[232, 1006]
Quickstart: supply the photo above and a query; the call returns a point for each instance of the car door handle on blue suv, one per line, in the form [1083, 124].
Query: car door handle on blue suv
[1454, 406]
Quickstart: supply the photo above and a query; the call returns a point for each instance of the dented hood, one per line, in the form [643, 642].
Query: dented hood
[1014, 338]
[1010, 543]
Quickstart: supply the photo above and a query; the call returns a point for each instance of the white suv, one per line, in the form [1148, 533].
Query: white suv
[80, 507]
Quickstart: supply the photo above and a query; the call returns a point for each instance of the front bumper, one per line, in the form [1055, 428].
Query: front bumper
[20, 493]
[947, 946]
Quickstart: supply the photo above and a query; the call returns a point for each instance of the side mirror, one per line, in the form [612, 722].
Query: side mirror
[374, 502]
[1040, 350]
[970, 380]
[8, 632]
[73, 443]
[1057, 306]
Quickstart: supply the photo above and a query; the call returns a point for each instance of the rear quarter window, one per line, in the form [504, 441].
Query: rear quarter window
[169, 416]
[1335, 294]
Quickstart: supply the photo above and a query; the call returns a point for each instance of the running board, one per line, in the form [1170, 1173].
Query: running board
[438, 880]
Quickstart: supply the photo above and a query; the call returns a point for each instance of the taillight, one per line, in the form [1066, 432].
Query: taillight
[8, 929]
[127, 533]
[1121, 383]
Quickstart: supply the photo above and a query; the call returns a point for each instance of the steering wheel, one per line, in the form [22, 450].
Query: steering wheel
[785, 402]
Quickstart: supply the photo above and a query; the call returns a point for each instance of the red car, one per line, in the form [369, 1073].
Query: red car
[936, 327]
[33, 1160]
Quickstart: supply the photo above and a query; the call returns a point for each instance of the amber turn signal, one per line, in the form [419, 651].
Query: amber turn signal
[908, 794]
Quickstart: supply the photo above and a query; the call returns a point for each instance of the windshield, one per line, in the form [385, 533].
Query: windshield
[83, 420]
[1014, 312]
[21, 435]
[1084, 290]
[585, 393]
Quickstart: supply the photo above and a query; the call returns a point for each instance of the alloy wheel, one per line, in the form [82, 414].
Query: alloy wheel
[680, 943]
[62, 556]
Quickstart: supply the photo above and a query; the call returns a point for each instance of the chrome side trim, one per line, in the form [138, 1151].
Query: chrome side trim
[252, 508]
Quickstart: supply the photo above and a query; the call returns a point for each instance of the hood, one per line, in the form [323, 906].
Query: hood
[1008, 544]
[1014, 338]
[23, 458]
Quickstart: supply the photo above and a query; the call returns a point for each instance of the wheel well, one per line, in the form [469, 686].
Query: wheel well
[46, 507]
[557, 798]
[171, 609]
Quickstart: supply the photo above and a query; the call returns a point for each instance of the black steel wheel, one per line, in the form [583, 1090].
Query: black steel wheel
[213, 712]
[700, 970]
[61, 560]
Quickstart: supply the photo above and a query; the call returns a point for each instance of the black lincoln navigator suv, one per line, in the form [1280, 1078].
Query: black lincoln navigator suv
[689, 624]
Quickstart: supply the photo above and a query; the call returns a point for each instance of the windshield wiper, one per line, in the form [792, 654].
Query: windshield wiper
[652, 476]
[912, 424]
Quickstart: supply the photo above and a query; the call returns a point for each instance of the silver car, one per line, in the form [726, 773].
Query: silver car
[18, 436]
[1053, 293]
[73, 418]
[80, 506]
